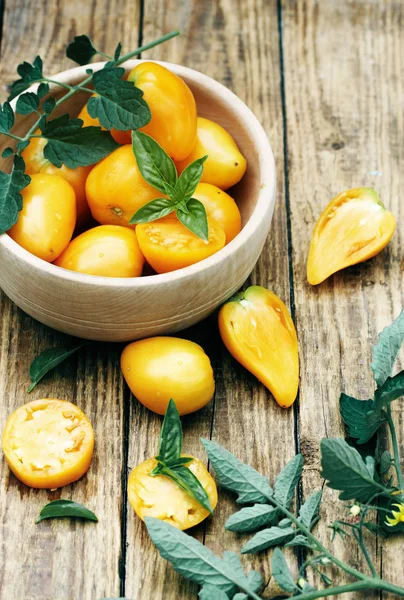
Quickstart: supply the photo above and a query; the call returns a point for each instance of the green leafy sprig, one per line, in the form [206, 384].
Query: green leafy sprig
[49, 359]
[65, 508]
[118, 104]
[158, 169]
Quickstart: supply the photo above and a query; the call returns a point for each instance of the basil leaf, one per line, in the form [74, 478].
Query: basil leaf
[6, 118]
[309, 510]
[236, 476]
[252, 518]
[65, 508]
[354, 414]
[344, 470]
[386, 350]
[281, 572]
[268, 538]
[187, 481]
[73, 145]
[211, 592]
[29, 74]
[156, 209]
[27, 103]
[7, 152]
[156, 167]
[287, 480]
[189, 179]
[81, 50]
[301, 541]
[11, 185]
[119, 103]
[170, 436]
[48, 360]
[195, 219]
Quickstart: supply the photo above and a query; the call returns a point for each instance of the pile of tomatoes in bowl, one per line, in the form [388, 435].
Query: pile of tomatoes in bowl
[79, 219]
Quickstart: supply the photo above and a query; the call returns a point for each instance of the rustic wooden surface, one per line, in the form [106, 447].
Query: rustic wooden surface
[326, 80]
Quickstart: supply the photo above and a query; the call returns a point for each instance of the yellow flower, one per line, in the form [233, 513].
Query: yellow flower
[398, 516]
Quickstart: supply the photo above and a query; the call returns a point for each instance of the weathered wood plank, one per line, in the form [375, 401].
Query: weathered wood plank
[58, 559]
[343, 74]
[237, 44]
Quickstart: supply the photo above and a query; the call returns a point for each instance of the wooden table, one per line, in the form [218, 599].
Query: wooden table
[326, 80]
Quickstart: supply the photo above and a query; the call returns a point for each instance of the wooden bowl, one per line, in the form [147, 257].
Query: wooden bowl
[113, 309]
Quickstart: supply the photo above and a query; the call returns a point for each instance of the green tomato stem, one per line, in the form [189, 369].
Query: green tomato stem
[395, 448]
[365, 584]
[63, 85]
[161, 40]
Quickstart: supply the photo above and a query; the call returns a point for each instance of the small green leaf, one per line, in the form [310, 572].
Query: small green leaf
[117, 52]
[48, 360]
[252, 518]
[180, 462]
[253, 580]
[187, 481]
[309, 510]
[344, 470]
[22, 145]
[211, 592]
[27, 103]
[268, 538]
[386, 350]
[48, 106]
[11, 185]
[29, 74]
[7, 152]
[385, 462]
[284, 523]
[375, 529]
[371, 465]
[281, 572]
[189, 179]
[42, 90]
[73, 145]
[119, 103]
[287, 481]
[156, 209]
[392, 389]
[240, 596]
[156, 167]
[170, 436]
[236, 476]
[6, 118]
[195, 218]
[81, 50]
[65, 508]
[354, 414]
[301, 541]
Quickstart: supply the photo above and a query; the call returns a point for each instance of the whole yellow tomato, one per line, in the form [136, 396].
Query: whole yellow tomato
[47, 220]
[172, 105]
[168, 245]
[160, 368]
[220, 207]
[107, 251]
[35, 162]
[225, 164]
[161, 498]
[116, 189]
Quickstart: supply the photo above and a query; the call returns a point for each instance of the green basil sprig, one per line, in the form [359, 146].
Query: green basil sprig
[158, 169]
[65, 508]
[171, 464]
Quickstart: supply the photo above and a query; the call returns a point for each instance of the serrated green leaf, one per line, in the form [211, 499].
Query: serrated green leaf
[268, 538]
[300, 541]
[392, 389]
[27, 103]
[386, 350]
[29, 73]
[187, 481]
[354, 414]
[81, 50]
[281, 572]
[344, 470]
[65, 508]
[170, 435]
[287, 481]
[309, 510]
[211, 592]
[195, 219]
[73, 145]
[6, 117]
[156, 209]
[156, 167]
[189, 179]
[236, 476]
[251, 518]
[118, 103]
[7, 152]
[48, 106]
[11, 185]
[48, 360]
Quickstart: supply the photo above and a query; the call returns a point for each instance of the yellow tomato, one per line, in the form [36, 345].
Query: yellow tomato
[168, 245]
[161, 498]
[172, 105]
[48, 443]
[107, 250]
[47, 220]
[220, 207]
[160, 368]
[225, 164]
[122, 137]
[35, 162]
[116, 189]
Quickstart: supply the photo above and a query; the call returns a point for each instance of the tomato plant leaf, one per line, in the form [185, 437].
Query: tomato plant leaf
[65, 508]
[189, 179]
[170, 436]
[11, 185]
[156, 209]
[385, 462]
[156, 167]
[29, 73]
[355, 416]
[236, 476]
[81, 50]
[27, 103]
[43, 89]
[392, 389]
[187, 481]
[281, 572]
[7, 152]
[48, 106]
[268, 538]
[299, 540]
[195, 218]
[211, 592]
[287, 480]
[386, 350]
[48, 360]
[118, 103]
[118, 51]
[73, 145]
[309, 510]
[253, 517]
[6, 117]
